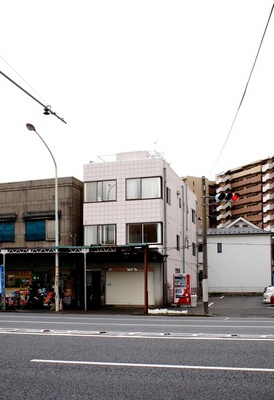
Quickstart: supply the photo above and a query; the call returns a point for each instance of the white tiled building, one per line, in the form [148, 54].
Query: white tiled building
[139, 199]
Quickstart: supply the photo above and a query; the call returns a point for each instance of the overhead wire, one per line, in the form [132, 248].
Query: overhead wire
[20, 76]
[245, 90]
[47, 108]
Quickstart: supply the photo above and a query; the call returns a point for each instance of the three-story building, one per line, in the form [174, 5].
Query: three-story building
[132, 203]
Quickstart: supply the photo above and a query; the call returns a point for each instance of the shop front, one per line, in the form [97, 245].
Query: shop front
[29, 280]
[125, 276]
[89, 277]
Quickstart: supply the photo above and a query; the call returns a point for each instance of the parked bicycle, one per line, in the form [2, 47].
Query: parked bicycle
[27, 299]
[18, 300]
[2, 302]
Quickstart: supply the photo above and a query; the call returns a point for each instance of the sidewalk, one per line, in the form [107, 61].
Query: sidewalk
[224, 306]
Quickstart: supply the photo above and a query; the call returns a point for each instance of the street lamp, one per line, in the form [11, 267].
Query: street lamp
[56, 283]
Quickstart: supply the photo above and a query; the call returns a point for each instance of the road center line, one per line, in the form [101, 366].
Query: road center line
[170, 366]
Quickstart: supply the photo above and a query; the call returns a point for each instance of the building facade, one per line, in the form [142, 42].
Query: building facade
[27, 235]
[238, 257]
[254, 183]
[195, 184]
[136, 200]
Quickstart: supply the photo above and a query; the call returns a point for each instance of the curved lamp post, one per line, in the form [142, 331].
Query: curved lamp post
[56, 282]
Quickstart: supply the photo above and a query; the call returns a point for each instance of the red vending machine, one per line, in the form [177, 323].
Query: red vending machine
[181, 289]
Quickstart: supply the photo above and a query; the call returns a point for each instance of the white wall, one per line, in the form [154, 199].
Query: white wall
[176, 220]
[243, 266]
[121, 211]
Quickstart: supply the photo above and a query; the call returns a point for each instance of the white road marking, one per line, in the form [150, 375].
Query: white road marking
[248, 324]
[115, 364]
[140, 335]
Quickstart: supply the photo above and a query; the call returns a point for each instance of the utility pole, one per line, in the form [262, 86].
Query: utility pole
[227, 196]
[204, 231]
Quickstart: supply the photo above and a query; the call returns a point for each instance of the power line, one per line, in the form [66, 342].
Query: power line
[20, 76]
[243, 96]
[47, 108]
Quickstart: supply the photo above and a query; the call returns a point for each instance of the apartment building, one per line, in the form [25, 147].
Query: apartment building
[254, 183]
[195, 184]
[131, 201]
[27, 235]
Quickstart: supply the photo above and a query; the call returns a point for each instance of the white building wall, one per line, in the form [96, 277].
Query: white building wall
[243, 266]
[176, 220]
[192, 237]
[121, 212]
[179, 222]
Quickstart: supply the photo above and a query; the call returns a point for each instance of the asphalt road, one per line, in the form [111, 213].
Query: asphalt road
[219, 306]
[96, 356]
[239, 306]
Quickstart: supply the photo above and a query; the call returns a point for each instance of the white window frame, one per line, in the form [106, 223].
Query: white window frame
[99, 191]
[96, 235]
[144, 188]
[143, 237]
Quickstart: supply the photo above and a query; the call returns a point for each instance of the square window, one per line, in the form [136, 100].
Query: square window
[35, 230]
[7, 231]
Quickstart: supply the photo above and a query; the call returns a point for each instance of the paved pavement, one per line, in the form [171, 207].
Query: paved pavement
[237, 306]
[223, 306]
[218, 306]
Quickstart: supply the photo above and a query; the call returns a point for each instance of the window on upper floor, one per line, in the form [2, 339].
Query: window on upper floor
[219, 247]
[40, 230]
[40, 226]
[143, 188]
[194, 249]
[35, 230]
[193, 216]
[148, 232]
[7, 227]
[168, 196]
[100, 235]
[178, 242]
[7, 231]
[100, 191]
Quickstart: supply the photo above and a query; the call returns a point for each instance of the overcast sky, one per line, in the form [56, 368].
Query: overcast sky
[135, 75]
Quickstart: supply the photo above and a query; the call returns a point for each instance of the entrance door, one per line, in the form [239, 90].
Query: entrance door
[93, 289]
